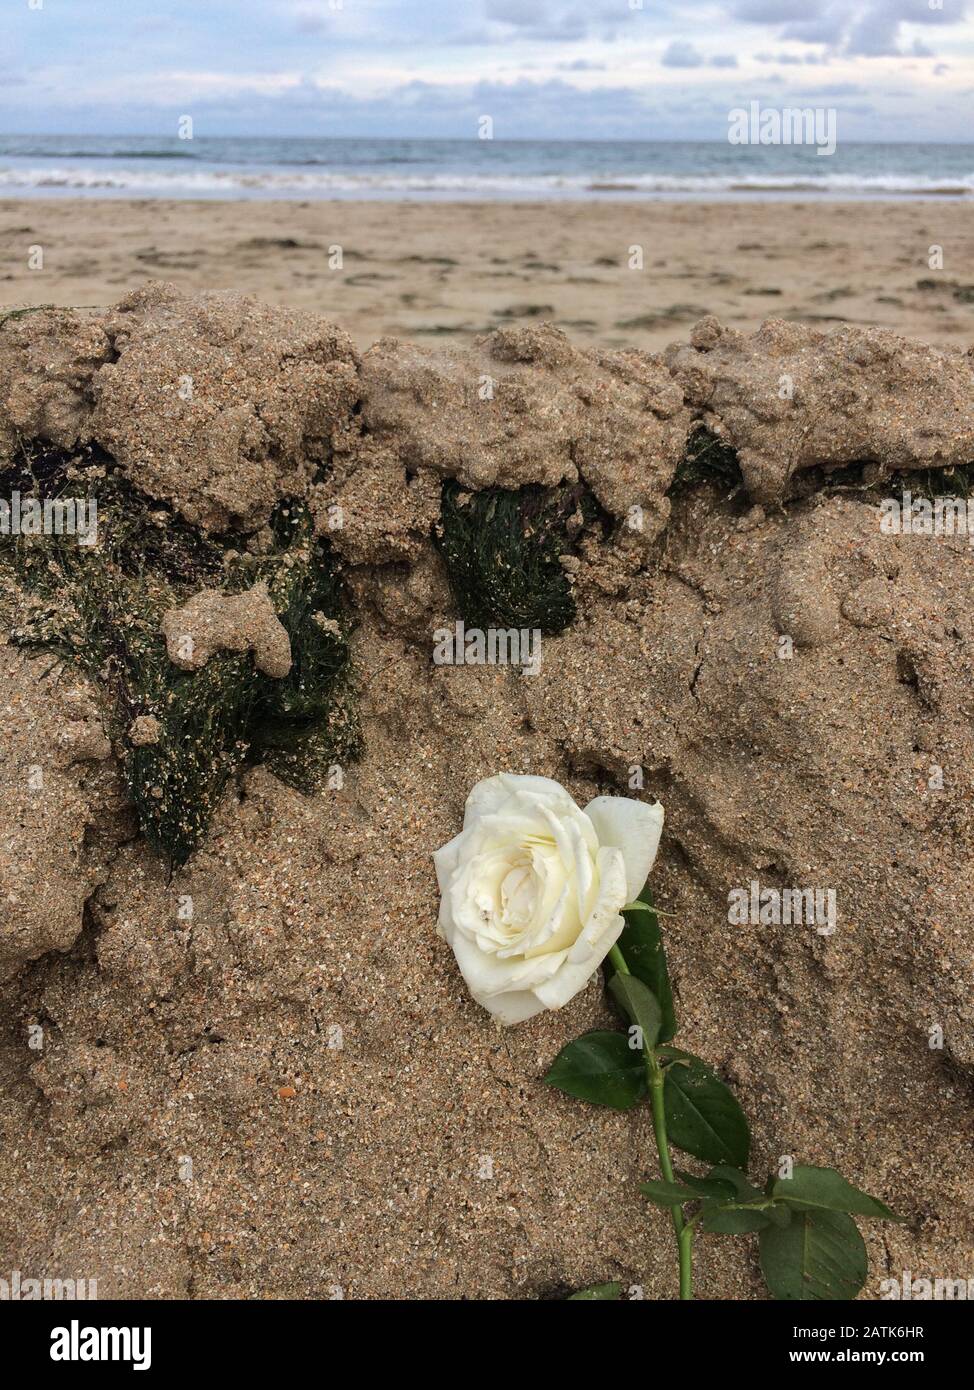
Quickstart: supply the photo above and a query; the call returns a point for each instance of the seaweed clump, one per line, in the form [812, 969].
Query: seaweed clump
[503, 551]
[707, 460]
[101, 606]
[870, 478]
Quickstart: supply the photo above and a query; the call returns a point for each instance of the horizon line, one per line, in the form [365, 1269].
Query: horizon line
[444, 139]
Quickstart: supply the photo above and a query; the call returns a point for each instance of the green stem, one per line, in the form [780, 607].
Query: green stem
[619, 961]
[654, 1075]
[684, 1242]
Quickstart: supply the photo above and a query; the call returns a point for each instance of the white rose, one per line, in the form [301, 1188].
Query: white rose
[532, 887]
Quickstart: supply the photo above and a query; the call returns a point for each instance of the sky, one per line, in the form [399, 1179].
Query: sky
[541, 69]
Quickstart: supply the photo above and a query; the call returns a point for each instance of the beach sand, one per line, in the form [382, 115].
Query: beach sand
[260, 1074]
[444, 272]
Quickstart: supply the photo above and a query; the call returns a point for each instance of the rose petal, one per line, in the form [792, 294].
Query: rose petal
[516, 1007]
[572, 979]
[490, 979]
[493, 793]
[597, 937]
[446, 861]
[634, 827]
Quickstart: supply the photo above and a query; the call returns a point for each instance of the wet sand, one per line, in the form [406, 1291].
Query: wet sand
[448, 271]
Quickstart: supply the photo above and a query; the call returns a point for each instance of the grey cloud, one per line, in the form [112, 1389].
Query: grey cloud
[825, 23]
[516, 11]
[791, 59]
[834, 89]
[862, 28]
[681, 54]
[876, 33]
[773, 11]
[555, 19]
[524, 109]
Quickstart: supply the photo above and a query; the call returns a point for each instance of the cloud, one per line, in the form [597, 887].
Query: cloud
[876, 33]
[382, 66]
[858, 28]
[556, 20]
[771, 11]
[524, 12]
[789, 59]
[681, 54]
[834, 89]
[522, 109]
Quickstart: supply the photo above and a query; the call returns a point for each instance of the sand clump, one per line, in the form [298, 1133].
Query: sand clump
[261, 1074]
[50, 800]
[371, 509]
[144, 731]
[48, 361]
[212, 621]
[525, 406]
[218, 404]
[788, 398]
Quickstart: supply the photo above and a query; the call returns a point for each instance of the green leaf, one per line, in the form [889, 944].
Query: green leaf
[825, 1189]
[668, 1194]
[601, 1068]
[641, 943]
[819, 1255]
[729, 1217]
[731, 1220]
[744, 1189]
[639, 1003]
[608, 1293]
[703, 1117]
[709, 1186]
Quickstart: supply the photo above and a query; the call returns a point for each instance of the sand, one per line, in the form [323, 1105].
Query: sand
[289, 1092]
[448, 271]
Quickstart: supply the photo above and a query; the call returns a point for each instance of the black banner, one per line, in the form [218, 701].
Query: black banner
[163, 1339]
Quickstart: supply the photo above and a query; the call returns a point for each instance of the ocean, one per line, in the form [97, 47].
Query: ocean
[458, 170]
